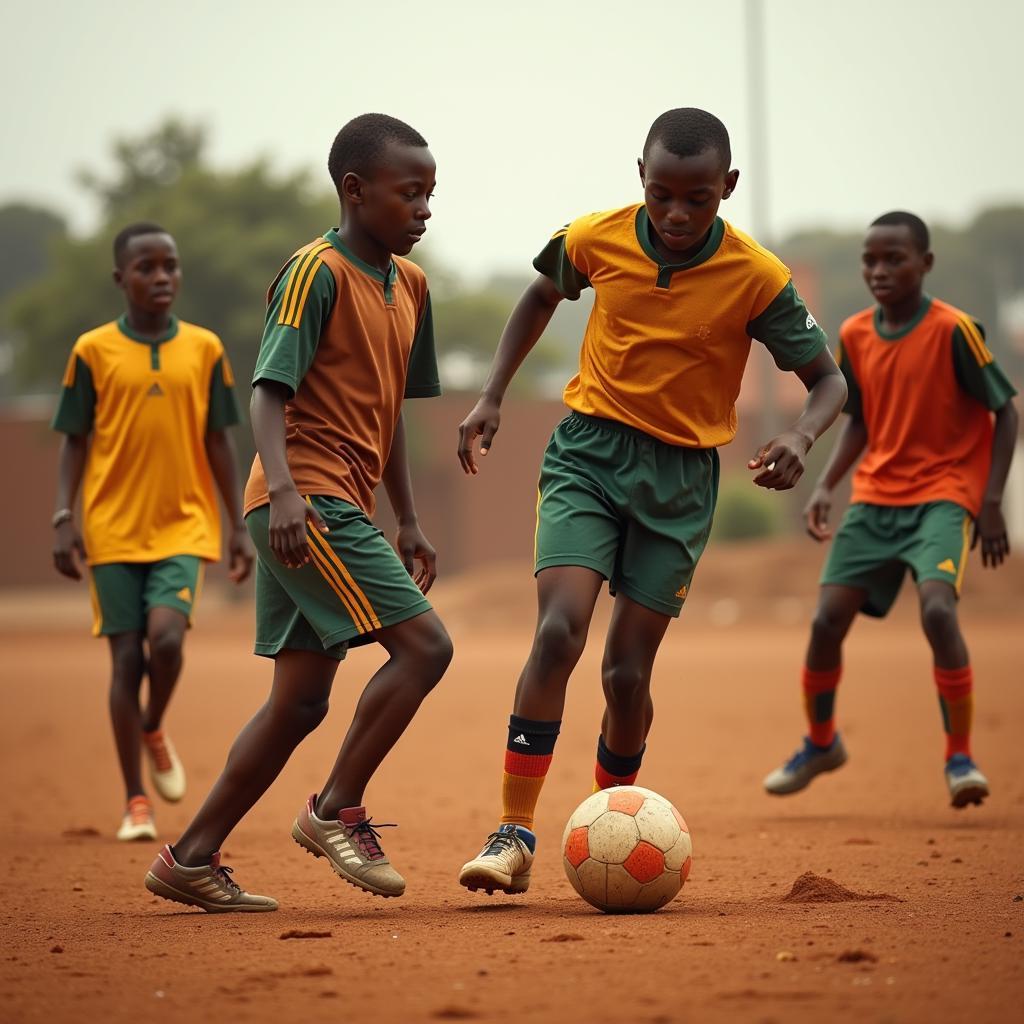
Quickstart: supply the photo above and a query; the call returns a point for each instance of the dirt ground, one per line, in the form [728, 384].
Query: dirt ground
[941, 939]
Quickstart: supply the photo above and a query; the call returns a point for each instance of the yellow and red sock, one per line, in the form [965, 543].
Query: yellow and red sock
[819, 703]
[528, 754]
[956, 699]
[614, 769]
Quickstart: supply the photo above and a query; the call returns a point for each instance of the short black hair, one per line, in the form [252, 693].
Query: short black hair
[126, 234]
[918, 228]
[688, 131]
[360, 143]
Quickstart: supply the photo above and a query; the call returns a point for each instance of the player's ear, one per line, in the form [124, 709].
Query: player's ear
[118, 277]
[352, 188]
[730, 183]
[640, 168]
[929, 260]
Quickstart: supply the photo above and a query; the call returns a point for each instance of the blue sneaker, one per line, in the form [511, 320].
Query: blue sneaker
[504, 862]
[808, 761]
[966, 784]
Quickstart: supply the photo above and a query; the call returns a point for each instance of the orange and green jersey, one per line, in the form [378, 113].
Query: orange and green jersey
[666, 343]
[925, 394]
[350, 343]
[148, 403]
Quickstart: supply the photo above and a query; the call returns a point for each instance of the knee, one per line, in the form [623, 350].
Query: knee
[434, 653]
[165, 646]
[560, 641]
[938, 618]
[300, 717]
[128, 666]
[626, 684]
[829, 626]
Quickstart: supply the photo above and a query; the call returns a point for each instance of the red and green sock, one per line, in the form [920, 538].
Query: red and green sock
[819, 704]
[528, 754]
[614, 769]
[956, 700]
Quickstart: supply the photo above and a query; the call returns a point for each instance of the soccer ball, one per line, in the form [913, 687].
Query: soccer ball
[626, 849]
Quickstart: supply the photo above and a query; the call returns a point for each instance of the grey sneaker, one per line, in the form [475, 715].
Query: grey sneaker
[210, 886]
[966, 784]
[351, 845]
[808, 761]
[504, 863]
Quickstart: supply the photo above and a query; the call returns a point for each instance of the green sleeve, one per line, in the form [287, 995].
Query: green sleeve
[854, 405]
[553, 262]
[788, 330]
[223, 409]
[422, 379]
[77, 405]
[288, 348]
[978, 373]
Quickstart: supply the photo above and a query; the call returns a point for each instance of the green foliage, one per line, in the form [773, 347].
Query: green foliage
[27, 235]
[744, 511]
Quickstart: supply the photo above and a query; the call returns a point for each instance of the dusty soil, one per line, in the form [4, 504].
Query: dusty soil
[866, 898]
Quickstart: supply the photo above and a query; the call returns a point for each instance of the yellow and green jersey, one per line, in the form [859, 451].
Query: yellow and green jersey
[666, 343]
[148, 492]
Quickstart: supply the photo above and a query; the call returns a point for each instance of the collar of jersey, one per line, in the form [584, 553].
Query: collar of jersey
[926, 304]
[387, 279]
[666, 269]
[172, 330]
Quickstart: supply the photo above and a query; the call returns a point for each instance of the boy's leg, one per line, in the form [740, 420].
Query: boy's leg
[127, 668]
[634, 636]
[165, 638]
[296, 706]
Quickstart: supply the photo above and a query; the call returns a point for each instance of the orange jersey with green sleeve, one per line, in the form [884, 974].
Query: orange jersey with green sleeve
[349, 343]
[666, 344]
[148, 492]
[925, 394]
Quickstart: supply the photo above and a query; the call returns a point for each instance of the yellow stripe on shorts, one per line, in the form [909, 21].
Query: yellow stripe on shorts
[363, 602]
[964, 549]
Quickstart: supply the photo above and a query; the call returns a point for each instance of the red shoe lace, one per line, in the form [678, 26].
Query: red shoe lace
[139, 810]
[368, 838]
[157, 747]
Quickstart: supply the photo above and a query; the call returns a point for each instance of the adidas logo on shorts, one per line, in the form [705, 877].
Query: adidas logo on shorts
[521, 740]
[811, 322]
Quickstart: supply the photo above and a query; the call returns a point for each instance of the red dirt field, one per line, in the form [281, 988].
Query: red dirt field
[912, 912]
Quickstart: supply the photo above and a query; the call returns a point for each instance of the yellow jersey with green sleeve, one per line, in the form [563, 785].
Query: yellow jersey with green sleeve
[666, 343]
[148, 403]
[350, 343]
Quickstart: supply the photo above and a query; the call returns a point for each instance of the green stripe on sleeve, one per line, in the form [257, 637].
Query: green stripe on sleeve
[553, 262]
[223, 407]
[422, 380]
[76, 407]
[987, 383]
[788, 330]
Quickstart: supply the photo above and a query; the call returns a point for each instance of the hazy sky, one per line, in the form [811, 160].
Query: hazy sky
[535, 111]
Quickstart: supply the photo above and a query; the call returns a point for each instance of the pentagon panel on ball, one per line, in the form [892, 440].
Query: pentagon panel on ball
[626, 850]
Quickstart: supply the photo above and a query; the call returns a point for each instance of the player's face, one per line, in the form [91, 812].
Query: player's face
[682, 195]
[150, 274]
[395, 204]
[893, 266]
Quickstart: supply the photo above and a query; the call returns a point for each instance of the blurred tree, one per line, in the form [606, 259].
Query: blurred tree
[27, 235]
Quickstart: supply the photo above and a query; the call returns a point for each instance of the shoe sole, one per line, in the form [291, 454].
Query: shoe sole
[314, 849]
[170, 798]
[968, 795]
[479, 878]
[146, 835]
[800, 789]
[160, 888]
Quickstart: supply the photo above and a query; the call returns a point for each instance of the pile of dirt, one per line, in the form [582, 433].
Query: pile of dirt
[812, 888]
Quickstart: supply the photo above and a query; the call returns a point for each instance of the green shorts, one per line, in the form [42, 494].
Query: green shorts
[631, 507]
[356, 584]
[123, 593]
[876, 544]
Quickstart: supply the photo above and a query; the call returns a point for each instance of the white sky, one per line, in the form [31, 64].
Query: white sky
[535, 111]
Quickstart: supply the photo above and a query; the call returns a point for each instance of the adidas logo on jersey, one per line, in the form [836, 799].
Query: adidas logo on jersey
[521, 740]
[811, 322]
[155, 391]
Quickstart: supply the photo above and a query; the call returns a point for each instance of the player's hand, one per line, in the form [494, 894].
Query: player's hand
[990, 529]
[781, 461]
[816, 513]
[414, 547]
[239, 555]
[67, 543]
[482, 422]
[289, 514]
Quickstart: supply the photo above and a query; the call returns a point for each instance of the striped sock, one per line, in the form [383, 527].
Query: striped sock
[528, 754]
[819, 704]
[956, 700]
[614, 769]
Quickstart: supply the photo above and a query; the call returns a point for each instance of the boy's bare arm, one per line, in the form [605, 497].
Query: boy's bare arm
[411, 542]
[67, 538]
[220, 452]
[531, 315]
[288, 510]
[990, 526]
[781, 460]
[853, 437]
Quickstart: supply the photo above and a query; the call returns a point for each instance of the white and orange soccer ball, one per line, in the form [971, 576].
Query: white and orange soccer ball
[626, 849]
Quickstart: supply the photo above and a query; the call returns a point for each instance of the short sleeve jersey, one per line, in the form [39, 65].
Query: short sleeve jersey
[666, 344]
[349, 343]
[148, 492]
[925, 394]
